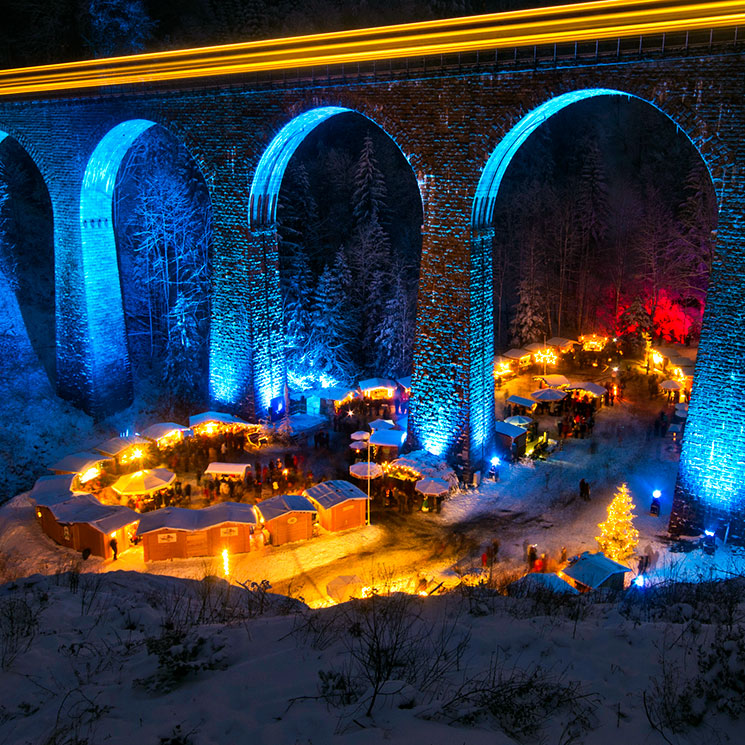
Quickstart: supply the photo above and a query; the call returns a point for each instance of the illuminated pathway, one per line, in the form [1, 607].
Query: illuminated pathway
[608, 19]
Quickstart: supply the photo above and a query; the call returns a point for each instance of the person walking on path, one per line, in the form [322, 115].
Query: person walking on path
[584, 490]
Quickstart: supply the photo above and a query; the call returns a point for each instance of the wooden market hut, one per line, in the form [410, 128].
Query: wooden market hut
[560, 344]
[124, 450]
[86, 465]
[594, 572]
[82, 522]
[327, 401]
[378, 388]
[215, 422]
[287, 518]
[340, 505]
[179, 533]
[522, 356]
[511, 438]
[165, 433]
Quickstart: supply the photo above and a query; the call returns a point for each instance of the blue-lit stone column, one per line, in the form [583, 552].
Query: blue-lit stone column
[481, 344]
[710, 492]
[439, 418]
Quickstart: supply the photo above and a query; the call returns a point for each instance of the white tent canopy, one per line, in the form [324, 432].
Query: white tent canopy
[554, 380]
[388, 438]
[588, 387]
[227, 469]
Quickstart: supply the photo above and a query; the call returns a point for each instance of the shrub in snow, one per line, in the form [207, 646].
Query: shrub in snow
[521, 702]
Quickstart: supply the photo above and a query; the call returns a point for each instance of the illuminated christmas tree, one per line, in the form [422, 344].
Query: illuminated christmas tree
[618, 537]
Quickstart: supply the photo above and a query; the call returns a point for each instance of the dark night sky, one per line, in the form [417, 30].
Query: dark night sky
[41, 31]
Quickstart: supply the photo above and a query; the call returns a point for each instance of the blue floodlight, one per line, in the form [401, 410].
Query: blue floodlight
[495, 461]
[709, 533]
[656, 493]
[639, 581]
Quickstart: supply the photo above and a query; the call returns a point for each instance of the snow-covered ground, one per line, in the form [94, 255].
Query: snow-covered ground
[126, 657]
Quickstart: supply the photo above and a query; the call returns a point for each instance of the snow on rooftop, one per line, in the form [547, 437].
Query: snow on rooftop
[282, 504]
[116, 445]
[515, 354]
[593, 569]
[214, 416]
[87, 509]
[331, 493]
[78, 462]
[50, 490]
[227, 469]
[510, 430]
[181, 518]
[370, 383]
[161, 429]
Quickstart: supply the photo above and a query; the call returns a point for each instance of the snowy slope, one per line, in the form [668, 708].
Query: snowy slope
[126, 657]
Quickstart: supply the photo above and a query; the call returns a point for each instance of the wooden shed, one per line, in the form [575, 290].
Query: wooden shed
[287, 518]
[340, 505]
[82, 522]
[178, 533]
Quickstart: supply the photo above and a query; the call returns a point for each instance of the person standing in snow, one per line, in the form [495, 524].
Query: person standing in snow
[114, 546]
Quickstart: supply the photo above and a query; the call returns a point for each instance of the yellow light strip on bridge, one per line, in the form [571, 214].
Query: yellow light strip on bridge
[554, 25]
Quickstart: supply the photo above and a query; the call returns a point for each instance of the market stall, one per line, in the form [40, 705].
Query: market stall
[165, 434]
[512, 439]
[82, 522]
[217, 422]
[127, 451]
[340, 505]
[287, 518]
[378, 388]
[178, 533]
[84, 466]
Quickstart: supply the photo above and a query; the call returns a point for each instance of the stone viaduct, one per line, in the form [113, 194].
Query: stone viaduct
[458, 124]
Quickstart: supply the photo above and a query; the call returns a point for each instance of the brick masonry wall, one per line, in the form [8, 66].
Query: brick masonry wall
[447, 127]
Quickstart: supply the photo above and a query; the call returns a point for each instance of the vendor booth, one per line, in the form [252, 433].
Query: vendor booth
[178, 533]
[378, 388]
[82, 522]
[340, 505]
[216, 422]
[287, 518]
[127, 451]
[560, 344]
[522, 357]
[594, 571]
[512, 439]
[326, 401]
[228, 470]
[85, 466]
[165, 434]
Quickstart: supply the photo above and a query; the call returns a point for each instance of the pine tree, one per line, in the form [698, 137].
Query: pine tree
[327, 347]
[618, 537]
[528, 323]
[395, 332]
[370, 194]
